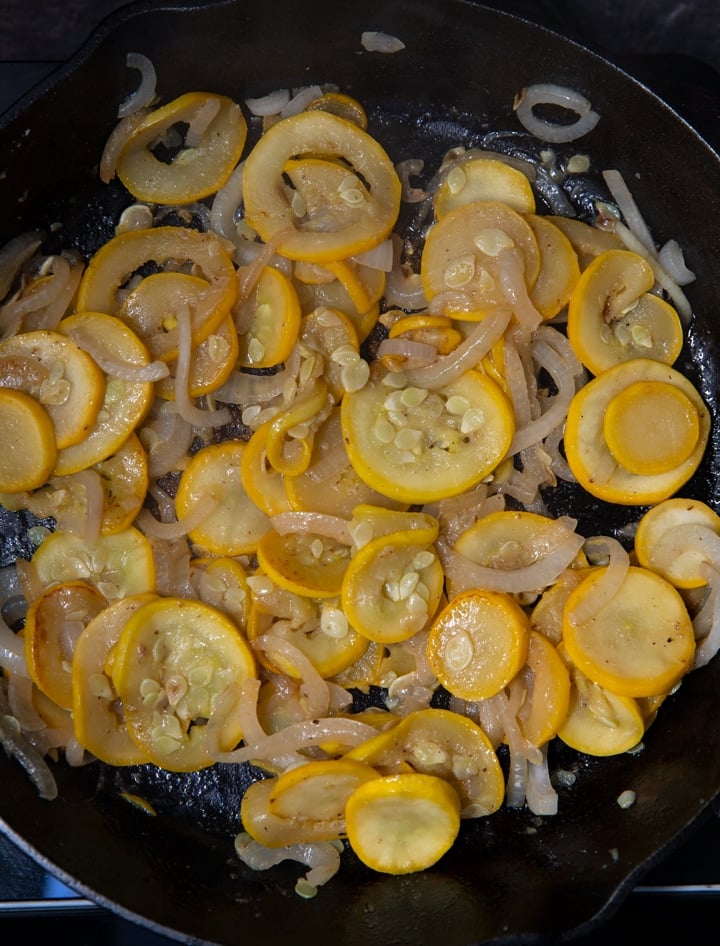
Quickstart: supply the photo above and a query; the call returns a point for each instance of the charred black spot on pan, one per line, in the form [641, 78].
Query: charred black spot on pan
[208, 799]
[15, 532]
[88, 219]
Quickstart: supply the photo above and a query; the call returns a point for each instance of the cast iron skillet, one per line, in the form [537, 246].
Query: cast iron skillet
[510, 877]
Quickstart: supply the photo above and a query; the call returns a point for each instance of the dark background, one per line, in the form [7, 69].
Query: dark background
[51, 30]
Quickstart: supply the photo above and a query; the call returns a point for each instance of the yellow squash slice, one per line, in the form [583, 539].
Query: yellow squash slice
[222, 583]
[207, 254]
[318, 791]
[67, 382]
[461, 259]
[330, 484]
[98, 716]
[559, 267]
[118, 565]
[600, 722]
[477, 643]
[126, 402]
[304, 562]
[392, 586]
[629, 440]
[404, 823]
[271, 830]
[640, 643]
[445, 744]
[173, 662]
[417, 446]
[613, 316]
[669, 540]
[484, 178]
[264, 485]
[272, 314]
[316, 627]
[232, 524]
[210, 150]
[357, 210]
[29, 446]
[53, 624]
[547, 682]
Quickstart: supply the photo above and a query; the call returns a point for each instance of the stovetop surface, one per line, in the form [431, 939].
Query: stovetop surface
[672, 47]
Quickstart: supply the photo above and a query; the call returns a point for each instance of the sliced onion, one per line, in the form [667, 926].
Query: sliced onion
[50, 316]
[558, 463]
[149, 525]
[663, 278]
[512, 280]
[679, 540]
[12, 651]
[94, 503]
[380, 257]
[672, 260]
[376, 41]
[313, 689]
[20, 699]
[541, 797]
[18, 747]
[39, 296]
[223, 216]
[408, 354]
[145, 92]
[551, 563]
[548, 93]
[321, 856]
[707, 623]
[524, 483]
[628, 208]
[469, 352]
[405, 170]
[196, 416]
[518, 381]
[300, 100]
[243, 387]
[403, 288]
[172, 566]
[301, 735]
[609, 583]
[116, 142]
[103, 356]
[562, 375]
[317, 523]
[246, 709]
[271, 104]
[167, 437]
[13, 256]
[200, 121]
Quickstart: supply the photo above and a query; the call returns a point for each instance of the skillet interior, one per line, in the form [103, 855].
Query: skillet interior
[510, 875]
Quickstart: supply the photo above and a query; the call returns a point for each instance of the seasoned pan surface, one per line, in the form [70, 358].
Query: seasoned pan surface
[509, 876]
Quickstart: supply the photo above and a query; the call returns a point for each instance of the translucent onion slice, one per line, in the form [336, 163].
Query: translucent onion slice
[144, 94]
[609, 583]
[314, 690]
[562, 375]
[548, 93]
[541, 797]
[13, 255]
[469, 352]
[18, 747]
[301, 735]
[322, 524]
[196, 416]
[12, 651]
[558, 547]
